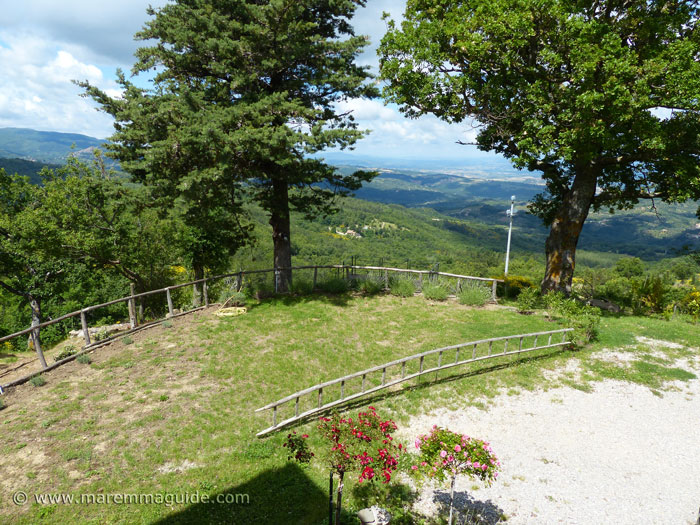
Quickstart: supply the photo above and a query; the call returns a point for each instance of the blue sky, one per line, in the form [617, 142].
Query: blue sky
[45, 44]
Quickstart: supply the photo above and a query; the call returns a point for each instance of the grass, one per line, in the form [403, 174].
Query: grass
[173, 412]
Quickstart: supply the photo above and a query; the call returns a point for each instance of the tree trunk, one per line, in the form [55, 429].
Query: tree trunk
[560, 247]
[198, 289]
[35, 305]
[279, 220]
[339, 500]
[452, 500]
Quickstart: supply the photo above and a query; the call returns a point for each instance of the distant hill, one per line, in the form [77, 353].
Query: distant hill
[28, 168]
[45, 146]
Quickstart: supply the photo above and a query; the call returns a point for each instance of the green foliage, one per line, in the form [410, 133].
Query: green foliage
[513, 285]
[83, 359]
[334, 285]
[301, 287]
[649, 295]
[529, 299]
[371, 286]
[401, 287]
[585, 320]
[258, 68]
[629, 267]
[435, 291]
[67, 351]
[236, 299]
[37, 381]
[473, 294]
[127, 340]
[563, 89]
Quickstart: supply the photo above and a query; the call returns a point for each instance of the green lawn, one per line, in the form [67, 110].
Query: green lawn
[173, 412]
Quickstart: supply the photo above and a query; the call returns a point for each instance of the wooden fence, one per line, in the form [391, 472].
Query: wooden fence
[401, 370]
[342, 269]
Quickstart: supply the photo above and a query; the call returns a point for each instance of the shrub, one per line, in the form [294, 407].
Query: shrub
[649, 295]
[528, 300]
[435, 292]
[335, 285]
[402, 287]
[167, 324]
[473, 295]
[512, 285]
[371, 286]
[585, 320]
[236, 299]
[37, 381]
[301, 287]
[84, 359]
[2, 404]
[67, 351]
[445, 454]
[127, 340]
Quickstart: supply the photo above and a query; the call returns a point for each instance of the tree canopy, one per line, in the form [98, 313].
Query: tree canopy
[602, 97]
[244, 95]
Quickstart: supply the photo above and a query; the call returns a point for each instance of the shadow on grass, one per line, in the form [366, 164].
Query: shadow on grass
[426, 382]
[292, 300]
[278, 496]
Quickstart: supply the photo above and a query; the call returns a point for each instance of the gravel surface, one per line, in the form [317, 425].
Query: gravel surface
[617, 455]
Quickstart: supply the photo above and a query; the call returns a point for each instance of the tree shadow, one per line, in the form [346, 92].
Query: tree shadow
[283, 495]
[469, 510]
[293, 300]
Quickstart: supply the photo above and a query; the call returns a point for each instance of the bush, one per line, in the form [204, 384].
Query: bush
[236, 299]
[335, 285]
[37, 381]
[513, 285]
[473, 295]
[528, 300]
[371, 286]
[435, 291]
[585, 320]
[84, 359]
[301, 287]
[67, 351]
[127, 340]
[402, 287]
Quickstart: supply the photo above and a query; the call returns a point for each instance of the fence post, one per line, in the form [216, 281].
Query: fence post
[386, 279]
[420, 281]
[315, 276]
[239, 281]
[205, 289]
[170, 301]
[493, 290]
[276, 279]
[132, 307]
[86, 331]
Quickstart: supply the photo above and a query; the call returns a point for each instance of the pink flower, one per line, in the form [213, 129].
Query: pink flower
[443, 453]
[417, 443]
[476, 464]
[450, 458]
[483, 467]
[457, 448]
[414, 467]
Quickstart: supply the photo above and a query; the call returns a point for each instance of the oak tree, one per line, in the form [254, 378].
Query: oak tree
[601, 96]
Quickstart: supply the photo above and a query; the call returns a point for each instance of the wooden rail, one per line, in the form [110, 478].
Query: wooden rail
[131, 299]
[476, 351]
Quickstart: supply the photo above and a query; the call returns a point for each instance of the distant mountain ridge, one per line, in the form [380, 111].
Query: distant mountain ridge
[46, 146]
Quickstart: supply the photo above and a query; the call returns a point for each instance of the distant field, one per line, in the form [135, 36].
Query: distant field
[173, 411]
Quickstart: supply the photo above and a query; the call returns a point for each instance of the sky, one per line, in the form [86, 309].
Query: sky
[45, 44]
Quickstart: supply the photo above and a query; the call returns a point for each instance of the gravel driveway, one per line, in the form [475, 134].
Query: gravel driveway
[618, 455]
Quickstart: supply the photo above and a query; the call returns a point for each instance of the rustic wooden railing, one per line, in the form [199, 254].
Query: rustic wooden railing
[395, 372]
[133, 318]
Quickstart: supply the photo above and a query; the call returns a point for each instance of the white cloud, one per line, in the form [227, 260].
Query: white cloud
[36, 89]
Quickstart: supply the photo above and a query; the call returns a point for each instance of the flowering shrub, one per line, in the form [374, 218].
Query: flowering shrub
[364, 445]
[444, 454]
[297, 448]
